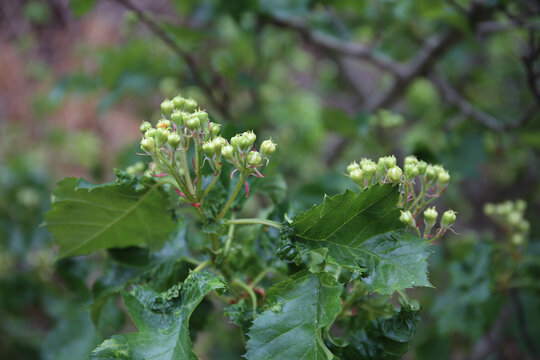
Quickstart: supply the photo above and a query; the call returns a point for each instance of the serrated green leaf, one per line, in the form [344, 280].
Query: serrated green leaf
[358, 232]
[162, 320]
[86, 217]
[297, 309]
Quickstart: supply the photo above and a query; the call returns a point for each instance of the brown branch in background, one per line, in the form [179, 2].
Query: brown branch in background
[187, 57]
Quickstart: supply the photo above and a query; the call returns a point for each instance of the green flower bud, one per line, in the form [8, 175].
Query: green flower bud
[422, 166]
[357, 176]
[514, 218]
[448, 218]
[162, 135]
[407, 218]
[518, 239]
[214, 129]
[202, 115]
[524, 226]
[444, 177]
[504, 209]
[219, 142]
[179, 102]
[431, 173]
[489, 209]
[241, 142]
[390, 161]
[209, 148]
[193, 123]
[394, 174]
[521, 205]
[174, 139]
[139, 166]
[365, 161]
[254, 158]
[147, 144]
[163, 124]
[167, 107]
[145, 126]
[411, 170]
[178, 117]
[130, 170]
[410, 160]
[251, 137]
[150, 133]
[190, 105]
[352, 166]
[268, 147]
[228, 152]
[430, 216]
[369, 169]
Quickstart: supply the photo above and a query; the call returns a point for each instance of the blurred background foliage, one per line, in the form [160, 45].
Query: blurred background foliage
[454, 82]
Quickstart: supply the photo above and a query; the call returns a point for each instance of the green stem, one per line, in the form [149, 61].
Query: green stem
[198, 151]
[202, 265]
[185, 165]
[250, 292]
[191, 260]
[241, 180]
[259, 277]
[266, 222]
[207, 190]
[230, 235]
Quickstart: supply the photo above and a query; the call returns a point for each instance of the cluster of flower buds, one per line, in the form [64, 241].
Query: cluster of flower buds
[510, 216]
[182, 124]
[420, 184]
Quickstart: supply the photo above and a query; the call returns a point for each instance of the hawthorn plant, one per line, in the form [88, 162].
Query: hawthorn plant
[311, 285]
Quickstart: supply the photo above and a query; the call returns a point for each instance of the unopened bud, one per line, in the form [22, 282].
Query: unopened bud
[190, 105]
[448, 218]
[214, 129]
[514, 218]
[254, 158]
[174, 139]
[163, 124]
[407, 218]
[489, 209]
[444, 177]
[202, 115]
[193, 123]
[179, 102]
[178, 117]
[167, 107]
[369, 169]
[422, 166]
[430, 216]
[518, 239]
[150, 133]
[147, 144]
[410, 160]
[228, 152]
[521, 205]
[145, 126]
[394, 174]
[209, 149]
[352, 166]
[268, 147]
[162, 135]
[390, 161]
[357, 176]
[251, 137]
[411, 170]
[219, 142]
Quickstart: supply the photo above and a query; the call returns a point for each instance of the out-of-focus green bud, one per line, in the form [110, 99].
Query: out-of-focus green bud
[209, 148]
[174, 139]
[179, 102]
[524, 226]
[390, 161]
[254, 158]
[357, 176]
[251, 137]
[430, 215]
[151, 133]
[407, 218]
[505, 208]
[214, 129]
[190, 105]
[167, 107]
[517, 239]
[422, 166]
[521, 205]
[489, 209]
[139, 166]
[193, 123]
[145, 126]
[411, 170]
[147, 144]
[444, 177]
[268, 147]
[514, 218]
[448, 218]
[369, 169]
[178, 117]
[394, 174]
[162, 135]
[202, 115]
[130, 170]
[352, 166]
[410, 160]
[228, 152]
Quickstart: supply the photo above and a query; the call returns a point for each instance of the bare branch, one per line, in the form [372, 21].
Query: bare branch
[187, 57]
[334, 44]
